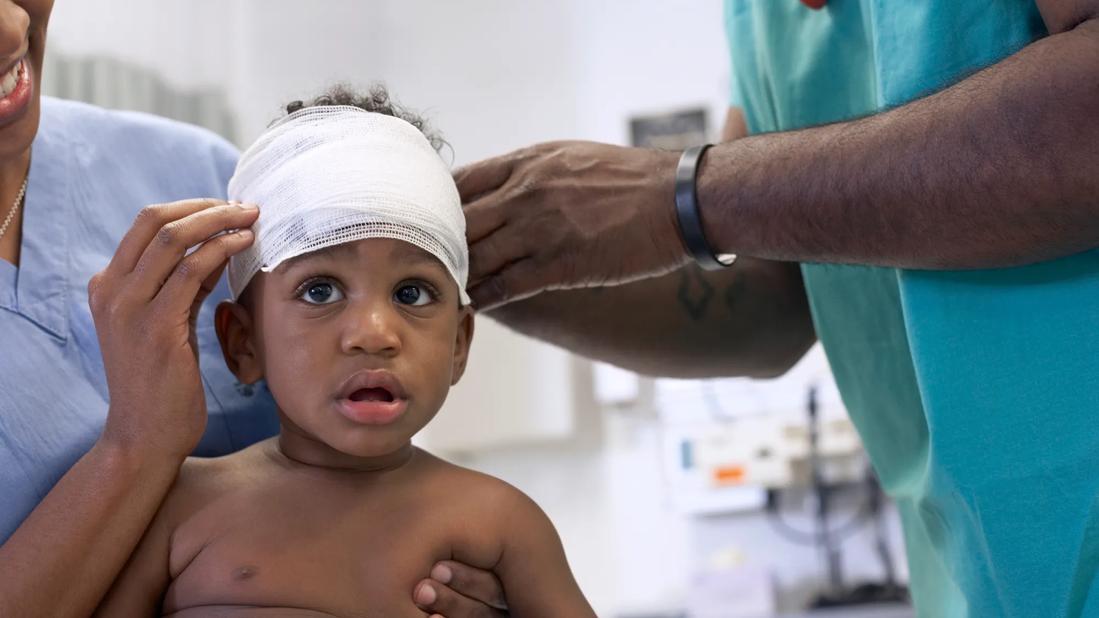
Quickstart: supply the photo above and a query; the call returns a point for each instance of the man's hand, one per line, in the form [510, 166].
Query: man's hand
[455, 590]
[568, 215]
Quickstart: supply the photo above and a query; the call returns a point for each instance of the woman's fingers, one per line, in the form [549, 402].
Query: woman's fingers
[186, 282]
[144, 306]
[146, 225]
[434, 597]
[168, 246]
[474, 583]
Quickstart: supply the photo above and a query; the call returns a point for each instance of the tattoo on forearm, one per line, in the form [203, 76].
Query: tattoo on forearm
[734, 292]
[694, 293]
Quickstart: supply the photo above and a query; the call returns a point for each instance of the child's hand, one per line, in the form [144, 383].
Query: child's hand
[459, 591]
[145, 304]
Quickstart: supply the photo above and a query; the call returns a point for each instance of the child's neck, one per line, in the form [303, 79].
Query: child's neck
[308, 451]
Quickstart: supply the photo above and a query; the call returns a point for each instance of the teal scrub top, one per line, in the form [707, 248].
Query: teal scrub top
[976, 393]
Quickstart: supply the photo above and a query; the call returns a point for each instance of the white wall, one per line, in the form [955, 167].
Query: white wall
[648, 56]
[494, 75]
[184, 40]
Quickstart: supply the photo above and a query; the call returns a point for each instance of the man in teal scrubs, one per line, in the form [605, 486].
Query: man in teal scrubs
[939, 238]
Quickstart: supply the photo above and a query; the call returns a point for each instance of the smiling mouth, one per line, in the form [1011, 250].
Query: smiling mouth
[372, 394]
[10, 79]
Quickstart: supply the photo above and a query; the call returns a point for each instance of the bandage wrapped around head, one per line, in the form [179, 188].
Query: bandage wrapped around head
[334, 174]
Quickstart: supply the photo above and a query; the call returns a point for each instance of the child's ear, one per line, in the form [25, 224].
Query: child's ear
[461, 343]
[233, 324]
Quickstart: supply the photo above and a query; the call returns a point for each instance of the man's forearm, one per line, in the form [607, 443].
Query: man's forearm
[63, 558]
[1001, 169]
[751, 320]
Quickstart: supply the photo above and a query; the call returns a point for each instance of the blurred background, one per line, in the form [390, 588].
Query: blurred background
[715, 498]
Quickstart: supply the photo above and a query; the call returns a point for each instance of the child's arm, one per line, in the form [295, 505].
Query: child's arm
[533, 569]
[140, 587]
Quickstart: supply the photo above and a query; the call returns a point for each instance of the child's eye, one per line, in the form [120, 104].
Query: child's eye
[320, 293]
[416, 295]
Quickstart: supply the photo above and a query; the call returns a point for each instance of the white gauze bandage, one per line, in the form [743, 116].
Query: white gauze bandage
[334, 174]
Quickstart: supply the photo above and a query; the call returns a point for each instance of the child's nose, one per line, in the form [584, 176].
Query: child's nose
[371, 328]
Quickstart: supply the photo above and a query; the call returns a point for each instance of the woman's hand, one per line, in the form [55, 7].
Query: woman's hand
[145, 304]
[455, 590]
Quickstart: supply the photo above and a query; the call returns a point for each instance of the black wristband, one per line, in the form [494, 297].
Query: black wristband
[686, 209]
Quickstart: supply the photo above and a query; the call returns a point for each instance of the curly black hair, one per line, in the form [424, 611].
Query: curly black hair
[376, 100]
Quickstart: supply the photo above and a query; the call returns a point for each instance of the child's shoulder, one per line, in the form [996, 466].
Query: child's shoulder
[210, 469]
[468, 486]
[483, 513]
[499, 525]
[439, 470]
[201, 479]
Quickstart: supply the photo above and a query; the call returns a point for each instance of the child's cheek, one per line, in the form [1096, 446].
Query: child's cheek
[295, 369]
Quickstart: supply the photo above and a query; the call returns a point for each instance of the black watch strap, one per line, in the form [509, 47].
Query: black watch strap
[686, 209]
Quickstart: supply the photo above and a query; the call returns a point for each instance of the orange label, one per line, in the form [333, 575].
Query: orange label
[729, 474]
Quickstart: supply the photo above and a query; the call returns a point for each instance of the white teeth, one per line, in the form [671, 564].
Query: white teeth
[10, 80]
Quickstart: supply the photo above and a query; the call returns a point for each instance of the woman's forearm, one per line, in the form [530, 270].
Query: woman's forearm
[65, 555]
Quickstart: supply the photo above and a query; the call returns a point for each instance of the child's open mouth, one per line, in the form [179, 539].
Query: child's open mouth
[372, 397]
[371, 394]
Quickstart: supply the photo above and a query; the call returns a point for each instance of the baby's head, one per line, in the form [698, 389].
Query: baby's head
[351, 302]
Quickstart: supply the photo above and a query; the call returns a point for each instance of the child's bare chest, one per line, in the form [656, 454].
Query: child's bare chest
[325, 550]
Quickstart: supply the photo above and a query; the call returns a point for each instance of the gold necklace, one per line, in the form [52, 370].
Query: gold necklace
[14, 208]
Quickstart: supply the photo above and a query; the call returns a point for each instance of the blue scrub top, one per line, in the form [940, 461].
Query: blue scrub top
[92, 170]
[976, 393]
